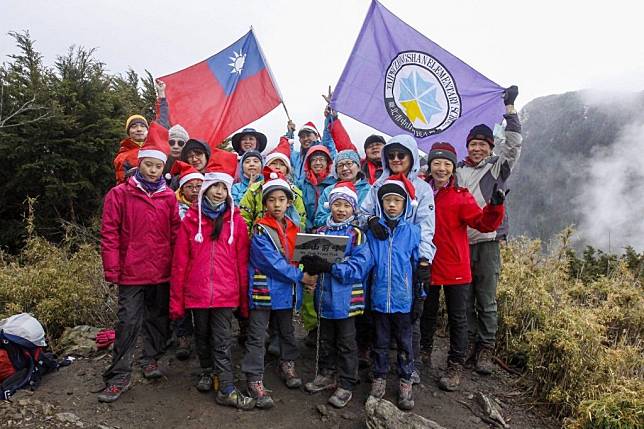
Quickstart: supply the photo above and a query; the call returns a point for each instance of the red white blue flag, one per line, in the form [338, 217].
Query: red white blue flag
[223, 93]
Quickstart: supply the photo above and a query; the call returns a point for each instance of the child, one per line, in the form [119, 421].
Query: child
[339, 296]
[250, 171]
[140, 221]
[210, 277]
[190, 181]
[275, 286]
[392, 290]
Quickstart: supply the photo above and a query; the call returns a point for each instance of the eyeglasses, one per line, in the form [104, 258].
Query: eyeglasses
[195, 155]
[343, 165]
[191, 188]
[319, 158]
[396, 155]
[179, 143]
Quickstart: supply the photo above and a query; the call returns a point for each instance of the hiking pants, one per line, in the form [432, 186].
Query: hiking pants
[144, 310]
[338, 350]
[253, 362]
[456, 298]
[213, 339]
[398, 326]
[482, 313]
[184, 326]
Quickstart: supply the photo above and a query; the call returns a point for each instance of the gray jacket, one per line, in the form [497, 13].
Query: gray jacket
[480, 178]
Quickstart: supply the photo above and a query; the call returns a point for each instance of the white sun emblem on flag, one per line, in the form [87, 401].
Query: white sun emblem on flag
[237, 64]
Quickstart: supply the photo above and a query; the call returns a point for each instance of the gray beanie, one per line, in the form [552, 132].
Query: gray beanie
[177, 132]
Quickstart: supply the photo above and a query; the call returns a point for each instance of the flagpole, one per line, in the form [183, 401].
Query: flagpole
[286, 110]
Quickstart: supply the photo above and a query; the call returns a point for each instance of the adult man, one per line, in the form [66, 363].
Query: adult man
[372, 163]
[480, 172]
[248, 139]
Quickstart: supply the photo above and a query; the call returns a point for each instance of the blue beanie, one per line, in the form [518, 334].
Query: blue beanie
[349, 154]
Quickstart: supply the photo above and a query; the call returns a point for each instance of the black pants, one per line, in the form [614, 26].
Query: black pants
[456, 299]
[144, 310]
[184, 327]
[213, 339]
[253, 361]
[397, 325]
[339, 350]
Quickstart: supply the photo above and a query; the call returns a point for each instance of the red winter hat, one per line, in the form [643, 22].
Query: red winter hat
[185, 171]
[442, 150]
[309, 127]
[395, 185]
[222, 161]
[274, 180]
[156, 143]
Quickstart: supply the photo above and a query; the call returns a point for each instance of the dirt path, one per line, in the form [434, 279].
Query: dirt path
[65, 399]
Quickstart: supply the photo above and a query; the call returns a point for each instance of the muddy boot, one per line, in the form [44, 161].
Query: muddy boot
[378, 388]
[205, 381]
[470, 360]
[183, 348]
[452, 377]
[320, 383]
[484, 363]
[151, 370]
[405, 395]
[257, 391]
[235, 399]
[113, 391]
[340, 397]
[288, 374]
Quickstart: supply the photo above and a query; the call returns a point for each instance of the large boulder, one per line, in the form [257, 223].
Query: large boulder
[382, 414]
[78, 341]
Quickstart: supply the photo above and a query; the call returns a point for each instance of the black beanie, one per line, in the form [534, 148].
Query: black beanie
[391, 188]
[481, 132]
[374, 138]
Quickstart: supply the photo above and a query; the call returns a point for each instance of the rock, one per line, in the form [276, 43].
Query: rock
[491, 409]
[67, 418]
[348, 415]
[382, 414]
[325, 411]
[79, 340]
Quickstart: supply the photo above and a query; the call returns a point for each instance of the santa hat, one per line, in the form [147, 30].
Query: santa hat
[309, 127]
[274, 180]
[185, 171]
[343, 191]
[398, 184]
[156, 143]
[220, 168]
[283, 152]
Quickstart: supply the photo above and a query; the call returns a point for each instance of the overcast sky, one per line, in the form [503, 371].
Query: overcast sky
[544, 47]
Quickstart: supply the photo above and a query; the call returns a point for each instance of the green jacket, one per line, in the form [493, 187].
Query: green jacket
[252, 208]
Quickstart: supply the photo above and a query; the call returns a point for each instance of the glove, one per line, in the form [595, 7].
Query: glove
[498, 196]
[417, 309]
[105, 338]
[379, 231]
[315, 265]
[424, 275]
[510, 95]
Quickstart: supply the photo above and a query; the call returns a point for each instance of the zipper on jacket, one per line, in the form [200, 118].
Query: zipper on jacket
[389, 275]
[212, 267]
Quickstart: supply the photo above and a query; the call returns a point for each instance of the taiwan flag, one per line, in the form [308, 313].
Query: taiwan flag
[223, 93]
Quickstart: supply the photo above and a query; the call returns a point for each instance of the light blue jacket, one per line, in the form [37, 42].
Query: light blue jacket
[297, 157]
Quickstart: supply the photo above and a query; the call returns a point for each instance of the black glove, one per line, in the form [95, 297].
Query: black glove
[379, 231]
[424, 274]
[510, 95]
[315, 265]
[417, 309]
[498, 196]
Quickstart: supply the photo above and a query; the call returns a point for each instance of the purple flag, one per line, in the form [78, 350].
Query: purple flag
[400, 82]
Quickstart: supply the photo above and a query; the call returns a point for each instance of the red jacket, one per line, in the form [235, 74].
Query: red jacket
[456, 209]
[212, 274]
[138, 234]
[126, 158]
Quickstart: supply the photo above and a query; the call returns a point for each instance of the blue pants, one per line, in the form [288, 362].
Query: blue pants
[398, 326]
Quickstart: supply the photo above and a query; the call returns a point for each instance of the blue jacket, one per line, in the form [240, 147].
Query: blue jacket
[322, 213]
[392, 288]
[297, 157]
[273, 281]
[423, 214]
[312, 198]
[340, 293]
[239, 189]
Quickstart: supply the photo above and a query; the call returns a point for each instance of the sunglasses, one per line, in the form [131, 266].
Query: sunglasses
[179, 143]
[396, 155]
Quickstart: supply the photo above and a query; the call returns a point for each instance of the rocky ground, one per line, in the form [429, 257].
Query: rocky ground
[67, 398]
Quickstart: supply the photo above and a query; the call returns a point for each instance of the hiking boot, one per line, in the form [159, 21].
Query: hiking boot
[183, 348]
[405, 395]
[415, 377]
[340, 397]
[113, 391]
[378, 387]
[470, 361]
[257, 391]
[288, 374]
[311, 340]
[484, 363]
[235, 399]
[364, 358]
[151, 370]
[205, 381]
[452, 377]
[320, 383]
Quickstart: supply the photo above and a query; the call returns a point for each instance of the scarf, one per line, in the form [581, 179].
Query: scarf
[211, 210]
[468, 161]
[181, 199]
[338, 225]
[373, 170]
[149, 187]
[287, 237]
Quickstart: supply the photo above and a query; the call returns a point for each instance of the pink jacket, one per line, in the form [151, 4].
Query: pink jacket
[211, 274]
[138, 234]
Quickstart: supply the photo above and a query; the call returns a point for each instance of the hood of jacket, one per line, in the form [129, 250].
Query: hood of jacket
[409, 143]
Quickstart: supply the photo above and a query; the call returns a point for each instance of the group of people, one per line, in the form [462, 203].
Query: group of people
[199, 235]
